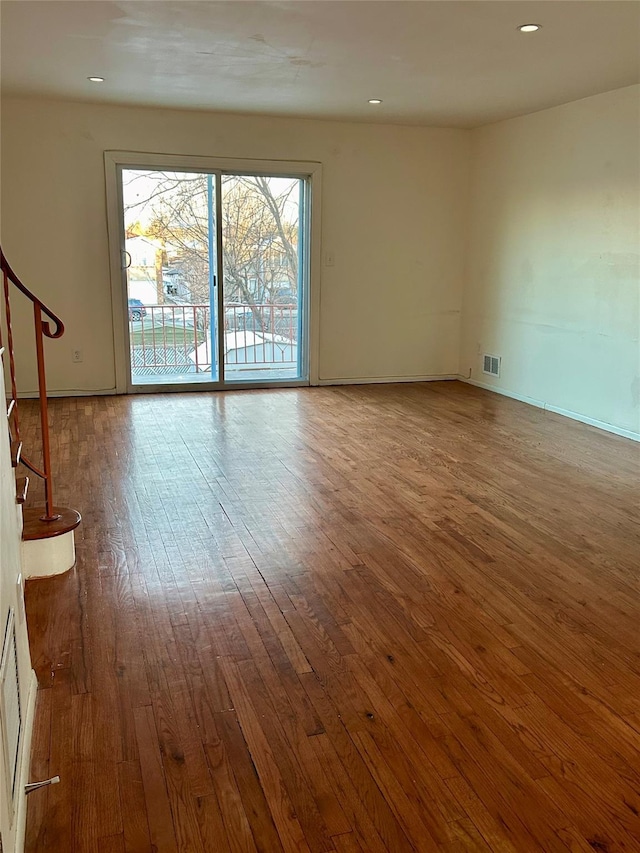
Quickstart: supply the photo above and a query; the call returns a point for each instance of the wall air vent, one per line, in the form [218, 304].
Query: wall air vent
[10, 710]
[491, 364]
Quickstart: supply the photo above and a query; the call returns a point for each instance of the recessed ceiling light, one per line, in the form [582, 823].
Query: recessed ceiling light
[375, 100]
[96, 79]
[528, 28]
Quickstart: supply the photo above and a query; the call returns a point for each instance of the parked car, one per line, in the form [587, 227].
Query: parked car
[136, 310]
[285, 296]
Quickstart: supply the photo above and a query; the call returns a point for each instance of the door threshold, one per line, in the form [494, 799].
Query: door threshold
[209, 386]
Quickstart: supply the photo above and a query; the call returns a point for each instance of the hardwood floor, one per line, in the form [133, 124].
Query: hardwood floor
[374, 618]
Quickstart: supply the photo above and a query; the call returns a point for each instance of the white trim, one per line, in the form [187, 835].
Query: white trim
[576, 416]
[200, 163]
[184, 388]
[314, 273]
[522, 398]
[25, 764]
[311, 171]
[373, 380]
[547, 407]
[68, 392]
[293, 383]
[116, 272]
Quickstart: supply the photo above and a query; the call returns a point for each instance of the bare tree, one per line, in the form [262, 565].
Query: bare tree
[259, 230]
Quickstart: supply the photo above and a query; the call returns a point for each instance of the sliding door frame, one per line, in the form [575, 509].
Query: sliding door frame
[309, 172]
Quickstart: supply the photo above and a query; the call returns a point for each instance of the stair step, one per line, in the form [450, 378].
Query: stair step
[35, 528]
[16, 450]
[11, 407]
[22, 486]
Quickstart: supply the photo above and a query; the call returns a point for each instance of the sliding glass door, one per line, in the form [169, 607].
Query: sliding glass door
[261, 266]
[216, 276]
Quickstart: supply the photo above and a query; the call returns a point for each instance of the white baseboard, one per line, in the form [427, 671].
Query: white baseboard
[372, 380]
[72, 392]
[355, 380]
[25, 765]
[567, 413]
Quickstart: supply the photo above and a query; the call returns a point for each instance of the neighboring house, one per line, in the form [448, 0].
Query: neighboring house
[142, 274]
[176, 289]
[142, 252]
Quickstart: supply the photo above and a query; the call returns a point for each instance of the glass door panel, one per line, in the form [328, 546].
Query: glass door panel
[263, 278]
[170, 260]
[195, 318]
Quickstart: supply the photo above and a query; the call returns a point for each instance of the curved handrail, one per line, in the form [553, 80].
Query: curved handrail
[33, 468]
[42, 329]
[46, 328]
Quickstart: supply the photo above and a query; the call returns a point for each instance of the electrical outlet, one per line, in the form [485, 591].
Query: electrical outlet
[76, 355]
[329, 259]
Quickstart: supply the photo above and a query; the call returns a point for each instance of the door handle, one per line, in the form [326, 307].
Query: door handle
[125, 266]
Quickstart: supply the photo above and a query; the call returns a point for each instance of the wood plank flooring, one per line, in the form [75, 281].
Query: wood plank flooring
[374, 618]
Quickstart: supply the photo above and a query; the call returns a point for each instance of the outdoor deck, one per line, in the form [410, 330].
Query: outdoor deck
[171, 344]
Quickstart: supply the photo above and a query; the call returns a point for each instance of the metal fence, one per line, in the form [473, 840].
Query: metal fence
[175, 339]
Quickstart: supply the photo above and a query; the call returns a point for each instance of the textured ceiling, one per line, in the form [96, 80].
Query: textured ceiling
[453, 63]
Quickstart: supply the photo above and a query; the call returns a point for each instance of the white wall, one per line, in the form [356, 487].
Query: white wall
[553, 274]
[394, 215]
[12, 825]
[551, 259]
